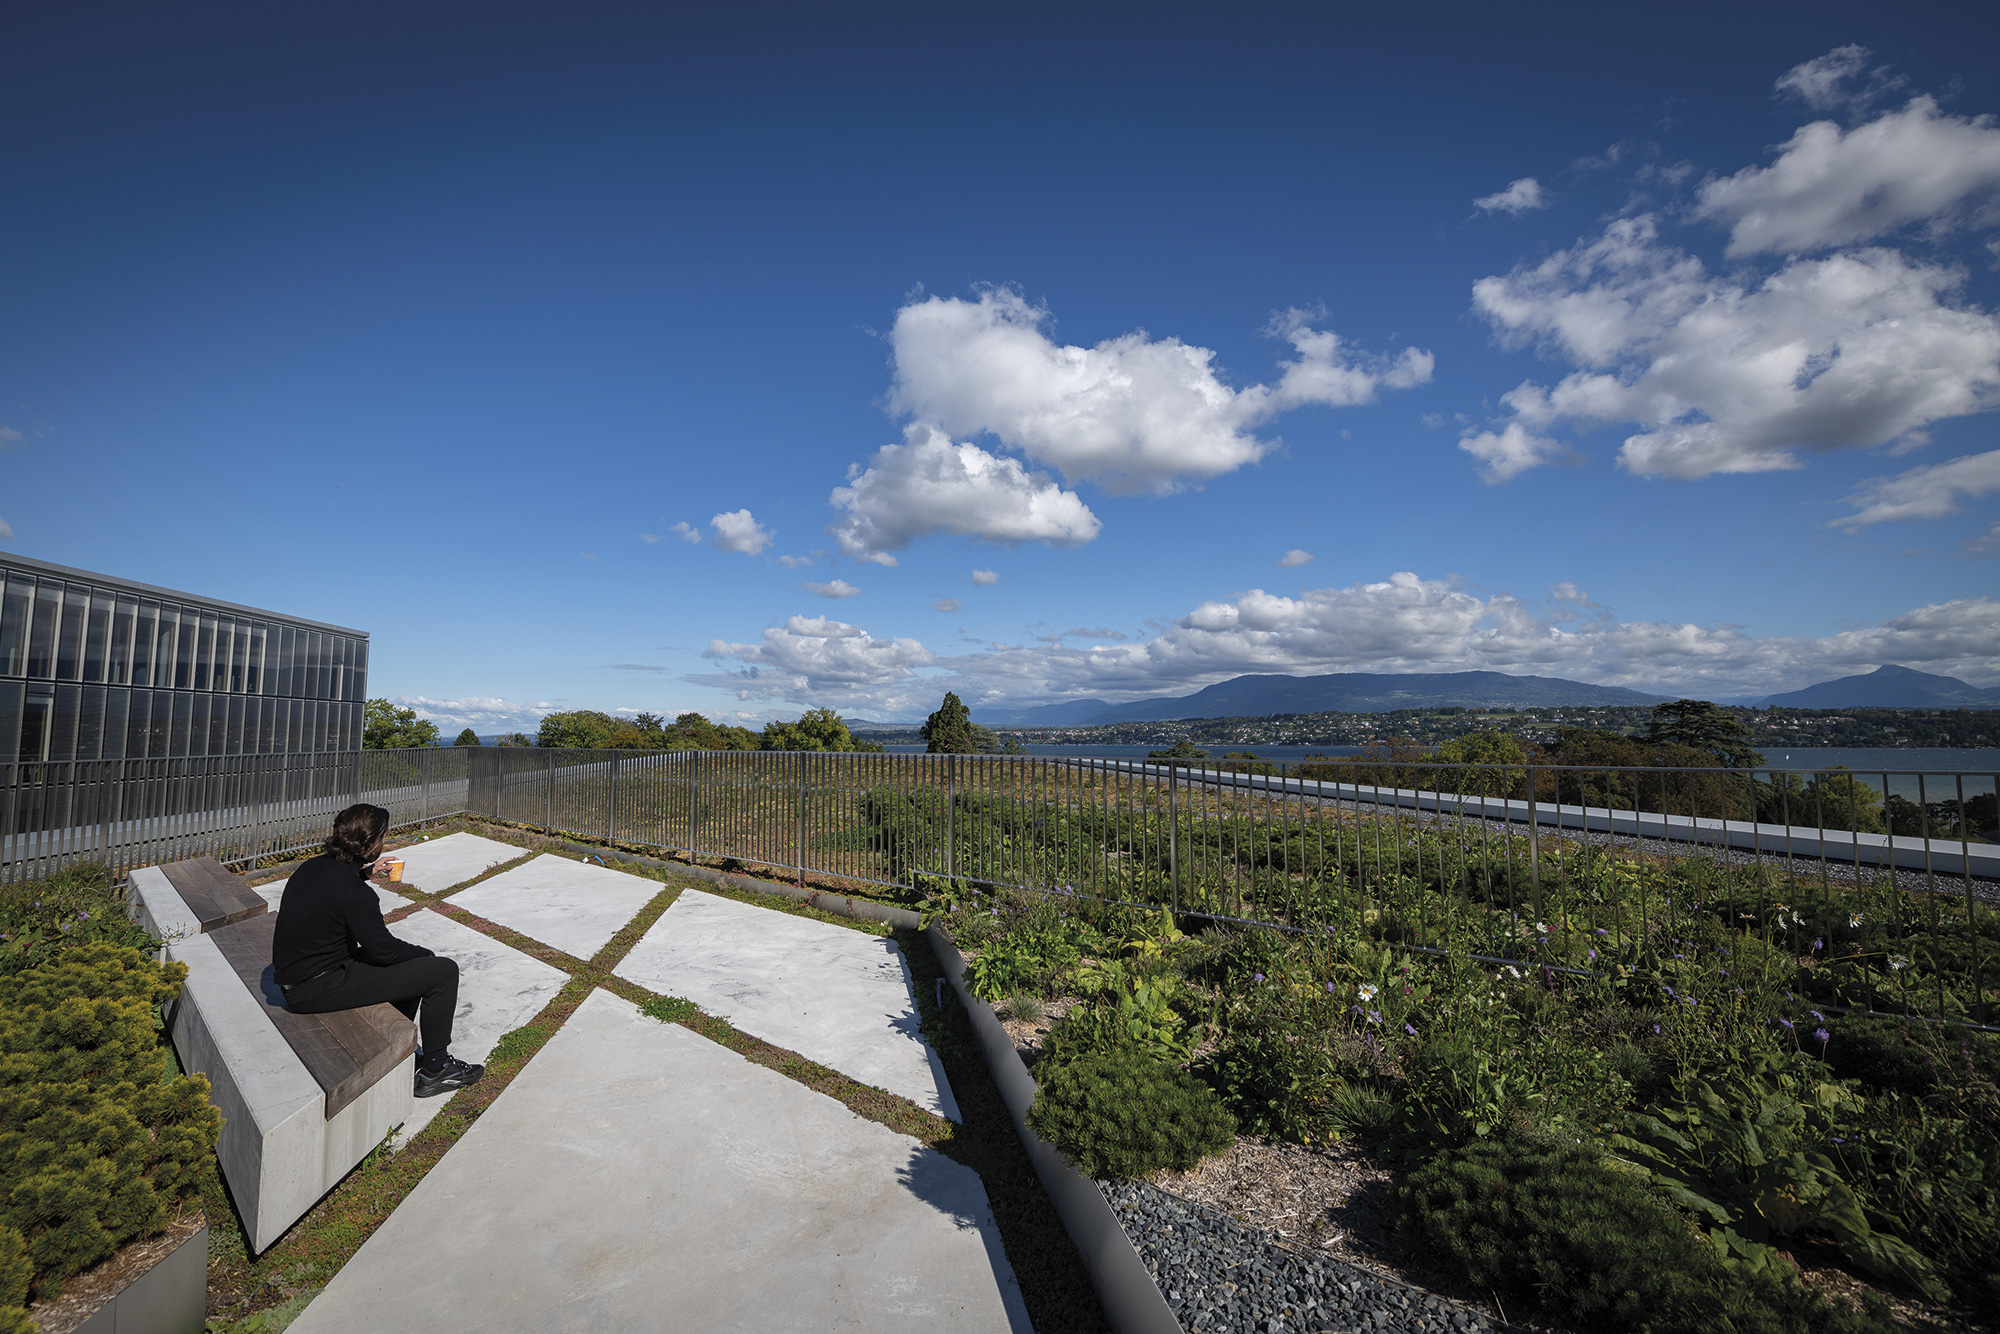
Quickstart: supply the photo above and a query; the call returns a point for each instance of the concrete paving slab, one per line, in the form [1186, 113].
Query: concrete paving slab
[571, 905]
[389, 898]
[441, 863]
[636, 1176]
[838, 996]
[499, 989]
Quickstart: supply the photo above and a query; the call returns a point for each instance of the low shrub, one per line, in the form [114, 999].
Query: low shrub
[97, 1140]
[1125, 1112]
[17, 1272]
[1564, 1228]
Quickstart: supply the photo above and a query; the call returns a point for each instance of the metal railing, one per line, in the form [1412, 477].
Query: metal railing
[1304, 846]
[128, 813]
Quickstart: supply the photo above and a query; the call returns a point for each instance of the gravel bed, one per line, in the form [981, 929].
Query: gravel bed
[1987, 891]
[1219, 1275]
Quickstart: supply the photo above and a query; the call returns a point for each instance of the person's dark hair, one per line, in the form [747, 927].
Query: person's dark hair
[356, 830]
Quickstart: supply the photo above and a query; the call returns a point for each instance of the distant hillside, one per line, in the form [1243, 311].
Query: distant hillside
[1889, 688]
[1343, 692]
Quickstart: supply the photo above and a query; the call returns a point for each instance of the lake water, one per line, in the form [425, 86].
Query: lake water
[1901, 765]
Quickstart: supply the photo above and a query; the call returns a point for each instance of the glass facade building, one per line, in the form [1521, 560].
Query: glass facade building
[93, 667]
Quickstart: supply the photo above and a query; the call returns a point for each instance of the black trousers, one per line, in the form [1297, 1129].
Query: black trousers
[427, 984]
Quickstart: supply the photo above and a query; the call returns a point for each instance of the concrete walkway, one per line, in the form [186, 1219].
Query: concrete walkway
[573, 906]
[838, 996]
[499, 989]
[636, 1176]
[439, 863]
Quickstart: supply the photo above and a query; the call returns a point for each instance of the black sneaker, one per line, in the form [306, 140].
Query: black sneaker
[455, 1074]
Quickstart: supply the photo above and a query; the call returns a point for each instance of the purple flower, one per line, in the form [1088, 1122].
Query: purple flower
[1656, 1028]
[1817, 1015]
[1592, 954]
[1374, 1016]
[1820, 943]
[1411, 1031]
[1329, 988]
[1256, 977]
[1821, 1036]
[1787, 1025]
[1723, 971]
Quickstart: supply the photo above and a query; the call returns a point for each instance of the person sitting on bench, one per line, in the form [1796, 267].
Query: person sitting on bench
[331, 950]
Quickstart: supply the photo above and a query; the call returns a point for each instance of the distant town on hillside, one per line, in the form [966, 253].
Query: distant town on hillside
[1771, 728]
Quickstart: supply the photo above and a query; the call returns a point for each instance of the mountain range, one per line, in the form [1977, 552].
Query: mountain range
[1886, 688]
[1337, 692]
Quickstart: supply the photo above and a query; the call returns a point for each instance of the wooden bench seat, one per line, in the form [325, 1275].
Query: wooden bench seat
[304, 1097]
[214, 895]
[346, 1051]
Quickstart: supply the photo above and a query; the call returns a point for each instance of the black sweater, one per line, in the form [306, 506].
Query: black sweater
[328, 916]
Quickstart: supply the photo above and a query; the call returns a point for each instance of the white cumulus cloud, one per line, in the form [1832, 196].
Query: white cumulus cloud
[1133, 413]
[1928, 492]
[839, 588]
[810, 655]
[1522, 196]
[985, 578]
[687, 532]
[929, 485]
[1295, 557]
[1831, 187]
[946, 604]
[1404, 623]
[1733, 375]
[737, 531]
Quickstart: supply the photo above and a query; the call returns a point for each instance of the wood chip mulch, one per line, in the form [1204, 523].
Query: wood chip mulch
[86, 1293]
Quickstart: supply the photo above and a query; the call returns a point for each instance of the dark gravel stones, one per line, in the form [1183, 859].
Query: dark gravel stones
[1218, 1275]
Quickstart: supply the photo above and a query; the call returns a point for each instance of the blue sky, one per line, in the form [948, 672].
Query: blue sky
[632, 358]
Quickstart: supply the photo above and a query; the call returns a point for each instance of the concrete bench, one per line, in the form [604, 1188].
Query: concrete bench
[304, 1097]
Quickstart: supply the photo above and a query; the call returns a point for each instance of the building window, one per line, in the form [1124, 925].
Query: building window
[15, 612]
[42, 631]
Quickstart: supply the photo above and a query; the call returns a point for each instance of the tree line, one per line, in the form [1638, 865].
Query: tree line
[386, 727]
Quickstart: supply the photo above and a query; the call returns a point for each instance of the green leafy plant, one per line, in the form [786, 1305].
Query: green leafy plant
[1743, 1149]
[96, 1142]
[1125, 1112]
[1004, 968]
